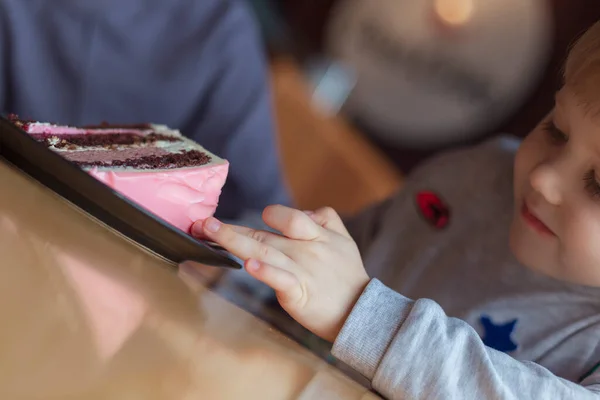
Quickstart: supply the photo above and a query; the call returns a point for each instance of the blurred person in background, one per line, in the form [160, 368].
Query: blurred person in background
[193, 65]
[480, 279]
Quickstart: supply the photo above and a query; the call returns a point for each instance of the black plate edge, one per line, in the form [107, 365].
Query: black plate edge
[104, 203]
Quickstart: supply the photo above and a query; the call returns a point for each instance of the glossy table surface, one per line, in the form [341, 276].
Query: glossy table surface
[88, 315]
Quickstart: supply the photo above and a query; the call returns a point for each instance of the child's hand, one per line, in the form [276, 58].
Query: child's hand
[315, 268]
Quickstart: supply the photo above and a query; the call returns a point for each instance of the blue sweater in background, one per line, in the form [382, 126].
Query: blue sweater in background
[193, 65]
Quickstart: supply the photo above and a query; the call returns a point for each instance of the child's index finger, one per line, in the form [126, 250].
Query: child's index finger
[240, 242]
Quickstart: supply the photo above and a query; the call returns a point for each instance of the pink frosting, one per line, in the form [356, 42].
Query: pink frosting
[179, 196]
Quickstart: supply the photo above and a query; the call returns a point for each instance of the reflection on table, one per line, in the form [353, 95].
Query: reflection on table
[89, 315]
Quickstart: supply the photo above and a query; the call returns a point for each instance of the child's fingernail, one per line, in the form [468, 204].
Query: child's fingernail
[309, 213]
[252, 265]
[212, 225]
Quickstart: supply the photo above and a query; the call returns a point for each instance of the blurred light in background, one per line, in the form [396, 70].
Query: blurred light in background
[453, 12]
[437, 72]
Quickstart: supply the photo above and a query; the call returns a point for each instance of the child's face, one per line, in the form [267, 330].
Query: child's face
[556, 223]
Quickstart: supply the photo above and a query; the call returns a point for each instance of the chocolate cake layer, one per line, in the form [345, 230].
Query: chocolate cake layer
[135, 146]
[106, 157]
[159, 159]
[106, 125]
[98, 139]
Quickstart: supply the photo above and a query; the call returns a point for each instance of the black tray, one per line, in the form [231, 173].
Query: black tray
[103, 203]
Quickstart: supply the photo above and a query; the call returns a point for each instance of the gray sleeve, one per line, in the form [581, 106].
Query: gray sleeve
[412, 350]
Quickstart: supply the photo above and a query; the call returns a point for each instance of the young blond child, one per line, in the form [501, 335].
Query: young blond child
[482, 275]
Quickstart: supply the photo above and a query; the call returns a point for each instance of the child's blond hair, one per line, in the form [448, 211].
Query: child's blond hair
[582, 68]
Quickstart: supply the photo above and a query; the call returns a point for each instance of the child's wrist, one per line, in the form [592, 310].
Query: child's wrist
[347, 309]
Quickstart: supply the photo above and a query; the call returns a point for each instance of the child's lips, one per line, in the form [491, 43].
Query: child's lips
[534, 222]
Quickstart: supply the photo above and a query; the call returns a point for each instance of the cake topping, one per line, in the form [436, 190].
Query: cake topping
[135, 146]
[106, 125]
[22, 124]
[104, 140]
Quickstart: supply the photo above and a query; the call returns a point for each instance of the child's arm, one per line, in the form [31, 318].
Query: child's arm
[412, 350]
[409, 349]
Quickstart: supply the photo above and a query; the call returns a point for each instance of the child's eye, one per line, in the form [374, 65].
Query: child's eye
[592, 186]
[555, 135]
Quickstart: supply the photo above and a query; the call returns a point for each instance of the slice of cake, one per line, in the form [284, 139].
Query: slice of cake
[157, 167]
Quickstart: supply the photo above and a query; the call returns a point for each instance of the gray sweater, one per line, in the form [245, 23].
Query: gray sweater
[457, 317]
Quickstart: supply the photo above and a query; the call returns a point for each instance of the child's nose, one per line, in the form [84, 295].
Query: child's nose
[545, 180]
